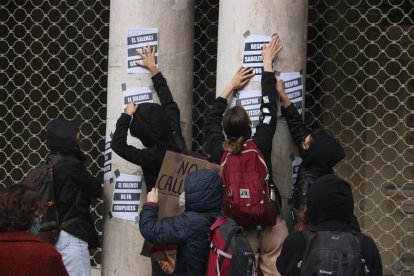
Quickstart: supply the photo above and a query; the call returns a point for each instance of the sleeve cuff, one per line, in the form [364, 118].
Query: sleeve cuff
[152, 204]
[157, 77]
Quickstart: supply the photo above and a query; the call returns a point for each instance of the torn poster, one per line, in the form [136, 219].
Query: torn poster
[137, 39]
[108, 159]
[252, 54]
[136, 95]
[251, 100]
[294, 88]
[126, 196]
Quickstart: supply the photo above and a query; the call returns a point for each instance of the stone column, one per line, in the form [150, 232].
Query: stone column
[288, 18]
[122, 240]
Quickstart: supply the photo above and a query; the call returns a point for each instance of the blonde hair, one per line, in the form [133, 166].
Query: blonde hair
[234, 146]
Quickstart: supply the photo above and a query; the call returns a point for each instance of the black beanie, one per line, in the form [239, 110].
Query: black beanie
[330, 198]
[151, 125]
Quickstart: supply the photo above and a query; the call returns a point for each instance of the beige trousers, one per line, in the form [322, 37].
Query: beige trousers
[267, 244]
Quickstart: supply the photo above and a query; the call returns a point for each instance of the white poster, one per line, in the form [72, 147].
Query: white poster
[108, 158]
[251, 100]
[295, 169]
[294, 88]
[126, 196]
[137, 39]
[136, 95]
[252, 54]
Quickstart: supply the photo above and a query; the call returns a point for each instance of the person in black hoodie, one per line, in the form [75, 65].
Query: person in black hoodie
[74, 188]
[157, 126]
[265, 241]
[203, 203]
[330, 208]
[319, 151]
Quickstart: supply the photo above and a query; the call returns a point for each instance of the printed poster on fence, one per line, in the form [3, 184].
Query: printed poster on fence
[126, 196]
[137, 39]
[251, 100]
[252, 54]
[294, 88]
[108, 159]
[136, 95]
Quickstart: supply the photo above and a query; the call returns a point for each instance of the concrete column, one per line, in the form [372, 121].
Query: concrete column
[288, 18]
[122, 241]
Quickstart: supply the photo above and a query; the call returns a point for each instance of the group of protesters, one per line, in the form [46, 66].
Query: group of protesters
[321, 201]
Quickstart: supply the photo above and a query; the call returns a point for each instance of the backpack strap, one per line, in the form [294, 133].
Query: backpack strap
[219, 221]
[178, 141]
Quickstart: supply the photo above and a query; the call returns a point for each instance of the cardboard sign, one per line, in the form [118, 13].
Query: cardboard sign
[170, 184]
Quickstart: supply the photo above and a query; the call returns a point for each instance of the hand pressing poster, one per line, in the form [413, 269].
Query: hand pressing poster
[294, 88]
[251, 100]
[252, 54]
[126, 196]
[136, 95]
[108, 158]
[137, 39]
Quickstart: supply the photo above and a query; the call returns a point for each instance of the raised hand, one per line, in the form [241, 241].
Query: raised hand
[148, 59]
[270, 52]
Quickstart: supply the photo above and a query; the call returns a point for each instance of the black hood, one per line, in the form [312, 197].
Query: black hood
[203, 191]
[324, 152]
[330, 199]
[151, 125]
[61, 138]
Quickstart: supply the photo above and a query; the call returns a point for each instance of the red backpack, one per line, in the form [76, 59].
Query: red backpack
[246, 196]
[230, 252]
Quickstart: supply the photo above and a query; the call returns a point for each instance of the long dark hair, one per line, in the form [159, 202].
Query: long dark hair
[236, 125]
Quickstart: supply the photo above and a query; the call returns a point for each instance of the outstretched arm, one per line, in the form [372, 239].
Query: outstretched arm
[214, 136]
[267, 122]
[119, 139]
[161, 86]
[166, 231]
[297, 128]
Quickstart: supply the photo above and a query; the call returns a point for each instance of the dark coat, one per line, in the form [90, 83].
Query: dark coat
[21, 254]
[263, 137]
[324, 153]
[203, 201]
[330, 207]
[153, 125]
[72, 179]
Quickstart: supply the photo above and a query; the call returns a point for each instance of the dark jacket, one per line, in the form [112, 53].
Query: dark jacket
[154, 125]
[203, 202]
[324, 153]
[263, 137]
[74, 185]
[330, 207]
[21, 254]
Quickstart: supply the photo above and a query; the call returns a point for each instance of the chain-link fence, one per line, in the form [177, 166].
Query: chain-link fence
[360, 86]
[53, 62]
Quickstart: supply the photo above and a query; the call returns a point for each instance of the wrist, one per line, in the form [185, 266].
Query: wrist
[153, 69]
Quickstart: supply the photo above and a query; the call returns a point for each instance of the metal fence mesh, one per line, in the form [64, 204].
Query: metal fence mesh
[53, 62]
[360, 87]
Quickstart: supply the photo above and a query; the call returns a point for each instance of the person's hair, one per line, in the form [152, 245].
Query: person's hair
[18, 205]
[236, 125]
[234, 146]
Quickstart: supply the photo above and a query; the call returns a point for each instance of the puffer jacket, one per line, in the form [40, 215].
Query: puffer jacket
[74, 185]
[203, 202]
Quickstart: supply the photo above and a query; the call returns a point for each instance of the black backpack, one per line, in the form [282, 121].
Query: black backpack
[332, 253]
[230, 251]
